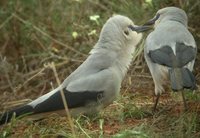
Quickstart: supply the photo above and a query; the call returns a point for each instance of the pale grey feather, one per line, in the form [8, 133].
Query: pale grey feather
[170, 31]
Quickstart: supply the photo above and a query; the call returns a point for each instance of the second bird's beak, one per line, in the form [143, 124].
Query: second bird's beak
[139, 29]
[152, 21]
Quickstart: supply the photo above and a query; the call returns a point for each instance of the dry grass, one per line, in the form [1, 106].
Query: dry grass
[34, 33]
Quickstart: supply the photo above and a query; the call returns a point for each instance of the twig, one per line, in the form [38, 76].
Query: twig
[82, 129]
[52, 65]
[142, 76]
[57, 65]
[101, 122]
[9, 82]
[30, 79]
[139, 50]
[37, 72]
[99, 5]
[194, 6]
[47, 35]
[7, 75]
[40, 43]
[25, 65]
[9, 105]
[4, 45]
[193, 30]
[7, 20]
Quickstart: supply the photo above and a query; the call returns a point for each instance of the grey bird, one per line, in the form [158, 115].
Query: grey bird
[97, 81]
[170, 51]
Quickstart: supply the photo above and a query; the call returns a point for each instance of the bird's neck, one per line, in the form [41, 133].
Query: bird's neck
[120, 54]
[124, 60]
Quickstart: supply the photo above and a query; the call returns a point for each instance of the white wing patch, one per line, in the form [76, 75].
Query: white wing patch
[43, 98]
[174, 49]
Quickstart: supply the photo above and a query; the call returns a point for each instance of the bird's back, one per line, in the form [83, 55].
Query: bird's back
[169, 33]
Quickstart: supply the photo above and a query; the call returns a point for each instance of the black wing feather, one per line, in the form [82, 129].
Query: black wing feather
[73, 99]
[184, 54]
[163, 56]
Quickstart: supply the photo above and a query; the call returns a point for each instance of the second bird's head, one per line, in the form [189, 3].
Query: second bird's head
[168, 14]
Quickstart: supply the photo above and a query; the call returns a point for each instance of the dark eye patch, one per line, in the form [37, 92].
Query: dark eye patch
[126, 32]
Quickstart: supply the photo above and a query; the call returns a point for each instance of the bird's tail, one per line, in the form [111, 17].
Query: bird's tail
[181, 78]
[6, 117]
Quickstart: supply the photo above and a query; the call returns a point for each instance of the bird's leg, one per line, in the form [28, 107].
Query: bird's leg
[156, 102]
[184, 101]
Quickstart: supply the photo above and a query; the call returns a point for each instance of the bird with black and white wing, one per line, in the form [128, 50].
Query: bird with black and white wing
[97, 81]
[170, 51]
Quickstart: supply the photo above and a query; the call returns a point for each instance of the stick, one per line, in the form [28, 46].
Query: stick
[52, 65]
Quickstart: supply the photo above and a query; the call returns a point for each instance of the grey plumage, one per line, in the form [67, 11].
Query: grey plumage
[170, 50]
[97, 81]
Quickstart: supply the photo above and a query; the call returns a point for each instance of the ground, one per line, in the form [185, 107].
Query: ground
[36, 33]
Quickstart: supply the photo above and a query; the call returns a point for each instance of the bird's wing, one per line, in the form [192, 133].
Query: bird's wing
[171, 45]
[185, 54]
[181, 56]
[162, 56]
[77, 94]
[93, 82]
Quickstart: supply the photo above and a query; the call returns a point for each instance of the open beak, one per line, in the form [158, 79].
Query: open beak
[140, 29]
[152, 21]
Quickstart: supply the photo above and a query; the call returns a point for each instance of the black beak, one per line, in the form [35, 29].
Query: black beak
[140, 29]
[152, 21]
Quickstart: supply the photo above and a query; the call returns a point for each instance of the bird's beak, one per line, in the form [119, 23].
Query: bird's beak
[152, 21]
[140, 29]
[146, 26]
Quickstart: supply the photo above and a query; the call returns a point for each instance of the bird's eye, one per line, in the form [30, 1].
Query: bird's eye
[126, 32]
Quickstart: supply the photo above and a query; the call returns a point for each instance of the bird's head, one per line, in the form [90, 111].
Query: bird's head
[169, 13]
[119, 31]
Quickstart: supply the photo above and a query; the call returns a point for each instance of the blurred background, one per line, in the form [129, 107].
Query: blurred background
[34, 33]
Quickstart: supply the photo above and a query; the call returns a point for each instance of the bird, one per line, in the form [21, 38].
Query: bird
[97, 81]
[170, 51]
